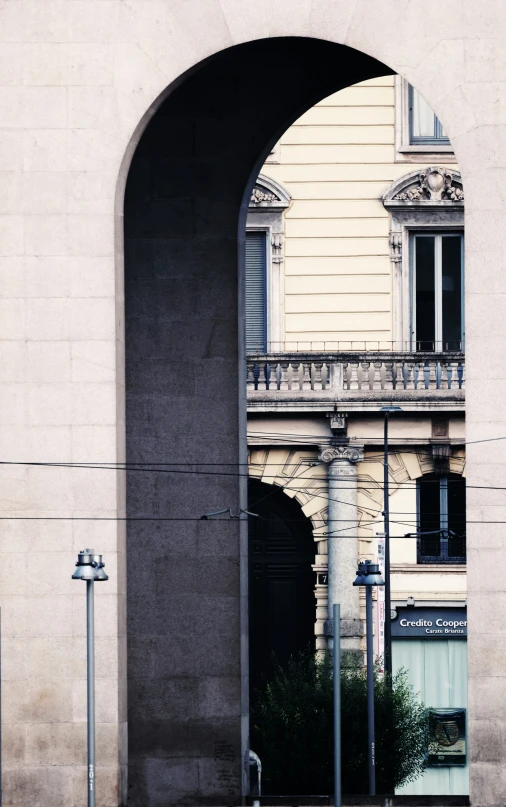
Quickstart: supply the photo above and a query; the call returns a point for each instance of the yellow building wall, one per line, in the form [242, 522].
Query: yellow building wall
[336, 161]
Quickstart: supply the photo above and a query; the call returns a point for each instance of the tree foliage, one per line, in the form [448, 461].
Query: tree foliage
[292, 729]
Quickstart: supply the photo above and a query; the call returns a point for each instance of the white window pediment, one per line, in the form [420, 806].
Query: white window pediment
[432, 187]
[268, 193]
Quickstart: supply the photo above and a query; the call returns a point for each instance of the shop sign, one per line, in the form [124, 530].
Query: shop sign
[430, 623]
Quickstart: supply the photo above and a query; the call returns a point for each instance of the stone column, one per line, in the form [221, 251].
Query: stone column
[342, 539]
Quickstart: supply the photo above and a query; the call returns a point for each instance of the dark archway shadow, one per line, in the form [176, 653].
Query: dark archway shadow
[187, 607]
[281, 581]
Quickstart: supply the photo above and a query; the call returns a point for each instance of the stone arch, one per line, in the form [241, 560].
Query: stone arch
[301, 476]
[186, 199]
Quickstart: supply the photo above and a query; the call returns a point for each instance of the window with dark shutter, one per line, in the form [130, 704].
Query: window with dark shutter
[441, 519]
[256, 292]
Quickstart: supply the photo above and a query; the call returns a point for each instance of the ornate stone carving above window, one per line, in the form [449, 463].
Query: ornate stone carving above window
[432, 186]
[258, 195]
[268, 194]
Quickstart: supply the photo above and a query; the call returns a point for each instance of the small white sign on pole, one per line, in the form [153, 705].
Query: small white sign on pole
[380, 603]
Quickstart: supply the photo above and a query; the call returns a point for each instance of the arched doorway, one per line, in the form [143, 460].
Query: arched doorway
[281, 581]
[186, 202]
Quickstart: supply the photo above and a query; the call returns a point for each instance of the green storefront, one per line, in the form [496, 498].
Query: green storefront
[431, 644]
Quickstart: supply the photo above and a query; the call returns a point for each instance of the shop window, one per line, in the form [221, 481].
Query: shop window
[437, 316]
[441, 519]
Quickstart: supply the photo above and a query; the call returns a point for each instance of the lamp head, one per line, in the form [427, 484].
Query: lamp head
[100, 574]
[368, 574]
[89, 567]
[391, 409]
[85, 569]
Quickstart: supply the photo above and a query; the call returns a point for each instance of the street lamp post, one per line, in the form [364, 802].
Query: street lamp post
[90, 567]
[368, 575]
[387, 410]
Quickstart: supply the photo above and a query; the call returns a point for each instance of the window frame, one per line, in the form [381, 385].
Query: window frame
[425, 140]
[268, 216]
[443, 558]
[405, 150]
[438, 234]
[268, 264]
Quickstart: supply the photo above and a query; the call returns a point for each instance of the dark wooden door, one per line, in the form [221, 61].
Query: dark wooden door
[281, 580]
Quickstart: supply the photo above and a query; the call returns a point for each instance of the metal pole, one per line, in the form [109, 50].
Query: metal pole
[90, 648]
[386, 515]
[370, 693]
[337, 705]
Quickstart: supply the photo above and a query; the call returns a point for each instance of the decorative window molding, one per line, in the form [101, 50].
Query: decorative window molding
[268, 202]
[405, 150]
[431, 200]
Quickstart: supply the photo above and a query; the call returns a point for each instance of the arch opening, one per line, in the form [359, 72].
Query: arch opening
[185, 210]
[281, 581]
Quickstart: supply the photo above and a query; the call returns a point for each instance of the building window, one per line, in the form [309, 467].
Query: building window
[256, 291]
[425, 128]
[441, 519]
[419, 134]
[263, 266]
[437, 316]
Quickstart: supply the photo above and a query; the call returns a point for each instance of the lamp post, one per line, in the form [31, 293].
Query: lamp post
[387, 410]
[90, 567]
[368, 575]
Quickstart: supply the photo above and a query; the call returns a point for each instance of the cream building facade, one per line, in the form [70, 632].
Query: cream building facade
[131, 136]
[347, 201]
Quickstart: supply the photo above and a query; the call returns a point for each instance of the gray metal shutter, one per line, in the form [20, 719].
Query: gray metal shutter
[256, 292]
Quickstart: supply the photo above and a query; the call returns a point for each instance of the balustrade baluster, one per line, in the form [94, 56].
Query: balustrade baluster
[377, 381]
[450, 367]
[346, 380]
[290, 374]
[325, 376]
[460, 375]
[396, 374]
[433, 375]
[267, 372]
[283, 375]
[425, 375]
[409, 375]
[443, 375]
[306, 375]
[418, 377]
[256, 375]
[353, 380]
[249, 375]
[316, 375]
[300, 376]
[390, 375]
[363, 375]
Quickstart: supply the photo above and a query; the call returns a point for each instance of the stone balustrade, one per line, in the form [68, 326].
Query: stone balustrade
[355, 375]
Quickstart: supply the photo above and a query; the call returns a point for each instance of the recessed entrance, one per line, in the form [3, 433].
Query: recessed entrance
[281, 581]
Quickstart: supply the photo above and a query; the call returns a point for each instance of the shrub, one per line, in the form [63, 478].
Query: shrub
[292, 729]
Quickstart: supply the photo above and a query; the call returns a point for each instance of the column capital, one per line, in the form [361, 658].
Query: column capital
[343, 453]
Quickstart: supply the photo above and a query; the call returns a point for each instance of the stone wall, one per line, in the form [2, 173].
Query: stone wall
[78, 83]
